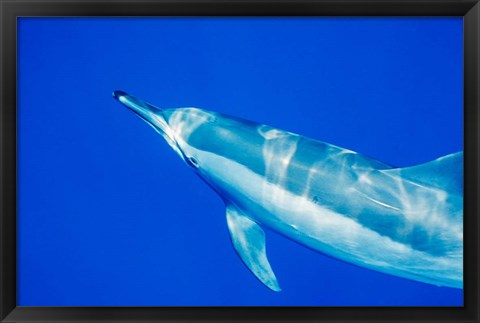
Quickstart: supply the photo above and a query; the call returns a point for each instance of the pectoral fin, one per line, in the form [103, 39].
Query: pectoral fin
[249, 241]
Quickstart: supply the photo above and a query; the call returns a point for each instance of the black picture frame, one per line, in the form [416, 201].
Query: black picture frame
[11, 9]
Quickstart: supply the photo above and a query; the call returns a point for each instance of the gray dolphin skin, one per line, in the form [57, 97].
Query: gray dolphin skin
[406, 222]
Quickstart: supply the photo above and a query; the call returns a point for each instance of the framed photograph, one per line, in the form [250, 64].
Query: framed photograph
[239, 161]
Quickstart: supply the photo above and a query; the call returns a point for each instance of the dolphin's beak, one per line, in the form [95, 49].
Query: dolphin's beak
[149, 113]
[143, 109]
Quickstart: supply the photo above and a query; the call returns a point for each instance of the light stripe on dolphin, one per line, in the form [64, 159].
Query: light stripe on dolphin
[406, 222]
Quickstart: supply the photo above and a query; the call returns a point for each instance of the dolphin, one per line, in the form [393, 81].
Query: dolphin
[406, 222]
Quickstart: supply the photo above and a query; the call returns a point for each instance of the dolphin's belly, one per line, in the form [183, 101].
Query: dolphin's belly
[342, 237]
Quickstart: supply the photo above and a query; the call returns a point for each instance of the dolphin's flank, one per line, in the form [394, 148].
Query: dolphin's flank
[406, 222]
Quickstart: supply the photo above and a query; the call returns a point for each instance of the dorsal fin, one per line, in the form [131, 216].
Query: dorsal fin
[445, 172]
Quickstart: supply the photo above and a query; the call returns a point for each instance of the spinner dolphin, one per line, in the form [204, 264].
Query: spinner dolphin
[406, 222]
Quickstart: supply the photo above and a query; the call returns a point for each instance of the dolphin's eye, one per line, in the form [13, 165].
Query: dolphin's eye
[192, 162]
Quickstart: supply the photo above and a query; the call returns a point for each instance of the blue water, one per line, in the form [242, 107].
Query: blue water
[109, 215]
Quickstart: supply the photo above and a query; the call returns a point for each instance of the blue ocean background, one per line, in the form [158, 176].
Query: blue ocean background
[109, 215]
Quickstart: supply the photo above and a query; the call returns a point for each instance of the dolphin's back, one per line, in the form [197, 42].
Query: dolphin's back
[278, 155]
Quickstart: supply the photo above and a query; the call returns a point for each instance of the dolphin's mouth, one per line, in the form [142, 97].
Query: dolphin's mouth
[150, 114]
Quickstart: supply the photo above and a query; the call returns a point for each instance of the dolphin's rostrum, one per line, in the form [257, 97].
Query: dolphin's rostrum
[406, 222]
